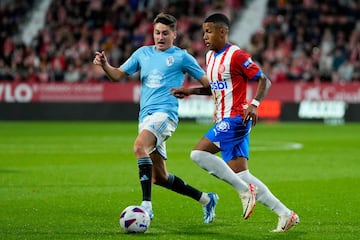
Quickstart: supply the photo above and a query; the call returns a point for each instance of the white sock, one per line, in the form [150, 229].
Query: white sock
[204, 199]
[217, 167]
[264, 195]
[146, 204]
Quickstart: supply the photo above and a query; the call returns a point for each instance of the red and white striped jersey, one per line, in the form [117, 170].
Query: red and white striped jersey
[228, 72]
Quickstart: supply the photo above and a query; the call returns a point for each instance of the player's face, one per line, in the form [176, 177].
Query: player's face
[163, 36]
[214, 36]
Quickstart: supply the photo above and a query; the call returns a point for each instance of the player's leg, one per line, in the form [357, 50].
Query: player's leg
[203, 155]
[172, 182]
[162, 178]
[264, 195]
[240, 166]
[144, 143]
[287, 217]
[226, 134]
[161, 128]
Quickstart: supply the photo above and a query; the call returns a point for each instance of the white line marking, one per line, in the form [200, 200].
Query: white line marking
[275, 146]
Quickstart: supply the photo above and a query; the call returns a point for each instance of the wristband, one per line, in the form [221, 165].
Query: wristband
[255, 102]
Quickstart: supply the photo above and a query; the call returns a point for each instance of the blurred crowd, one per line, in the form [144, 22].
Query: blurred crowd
[63, 50]
[310, 41]
[301, 40]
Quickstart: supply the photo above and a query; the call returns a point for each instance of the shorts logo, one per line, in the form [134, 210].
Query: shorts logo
[247, 63]
[218, 85]
[222, 126]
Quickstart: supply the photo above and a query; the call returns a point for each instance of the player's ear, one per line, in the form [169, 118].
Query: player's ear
[223, 32]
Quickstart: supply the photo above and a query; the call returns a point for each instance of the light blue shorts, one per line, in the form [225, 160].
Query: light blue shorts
[162, 127]
[232, 137]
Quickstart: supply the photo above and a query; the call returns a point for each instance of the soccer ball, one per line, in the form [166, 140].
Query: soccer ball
[134, 219]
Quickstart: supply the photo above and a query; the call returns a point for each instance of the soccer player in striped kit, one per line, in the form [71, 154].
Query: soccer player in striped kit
[229, 69]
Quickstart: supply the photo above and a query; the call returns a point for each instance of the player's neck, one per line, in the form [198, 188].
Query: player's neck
[163, 49]
[222, 48]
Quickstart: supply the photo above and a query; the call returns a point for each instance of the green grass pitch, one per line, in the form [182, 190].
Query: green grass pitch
[71, 180]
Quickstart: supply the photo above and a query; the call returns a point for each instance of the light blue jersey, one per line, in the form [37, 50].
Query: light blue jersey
[159, 72]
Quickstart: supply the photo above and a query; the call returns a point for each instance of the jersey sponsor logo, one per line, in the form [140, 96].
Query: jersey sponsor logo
[154, 79]
[247, 63]
[218, 85]
[170, 61]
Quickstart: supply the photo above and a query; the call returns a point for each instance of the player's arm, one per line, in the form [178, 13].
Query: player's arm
[204, 90]
[115, 74]
[263, 87]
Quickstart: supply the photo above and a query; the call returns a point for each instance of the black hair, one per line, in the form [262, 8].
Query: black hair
[166, 19]
[218, 18]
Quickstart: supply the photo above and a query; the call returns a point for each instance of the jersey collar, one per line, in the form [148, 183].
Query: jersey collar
[222, 50]
[169, 50]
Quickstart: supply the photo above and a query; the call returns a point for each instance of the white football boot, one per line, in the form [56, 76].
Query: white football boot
[286, 222]
[248, 200]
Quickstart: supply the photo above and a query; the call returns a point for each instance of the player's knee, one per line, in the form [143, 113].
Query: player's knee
[159, 179]
[138, 149]
[196, 156]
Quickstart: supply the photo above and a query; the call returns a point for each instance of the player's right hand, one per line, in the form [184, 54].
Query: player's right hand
[250, 113]
[100, 58]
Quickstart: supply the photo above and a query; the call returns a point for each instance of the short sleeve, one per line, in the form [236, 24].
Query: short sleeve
[244, 61]
[191, 66]
[132, 64]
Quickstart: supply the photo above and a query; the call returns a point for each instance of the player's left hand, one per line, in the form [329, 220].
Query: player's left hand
[251, 113]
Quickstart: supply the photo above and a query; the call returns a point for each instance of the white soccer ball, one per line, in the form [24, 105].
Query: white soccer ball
[134, 219]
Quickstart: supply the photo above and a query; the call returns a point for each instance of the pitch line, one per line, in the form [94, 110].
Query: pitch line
[275, 146]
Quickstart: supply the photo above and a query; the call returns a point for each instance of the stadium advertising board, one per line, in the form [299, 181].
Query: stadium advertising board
[129, 92]
[322, 109]
[69, 92]
[298, 92]
[285, 101]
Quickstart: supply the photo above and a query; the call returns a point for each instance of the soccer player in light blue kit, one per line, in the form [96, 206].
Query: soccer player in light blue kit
[162, 67]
